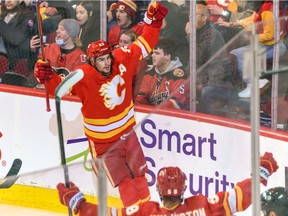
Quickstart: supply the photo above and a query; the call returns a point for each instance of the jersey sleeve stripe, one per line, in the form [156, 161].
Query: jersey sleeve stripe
[239, 198]
[232, 201]
[225, 204]
[145, 47]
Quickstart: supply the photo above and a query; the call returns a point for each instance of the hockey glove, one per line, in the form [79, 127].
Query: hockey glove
[155, 14]
[71, 197]
[268, 165]
[43, 71]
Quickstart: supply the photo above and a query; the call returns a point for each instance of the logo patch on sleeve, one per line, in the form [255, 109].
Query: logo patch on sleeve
[30, 22]
[178, 72]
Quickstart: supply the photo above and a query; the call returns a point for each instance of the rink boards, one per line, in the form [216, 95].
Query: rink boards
[214, 152]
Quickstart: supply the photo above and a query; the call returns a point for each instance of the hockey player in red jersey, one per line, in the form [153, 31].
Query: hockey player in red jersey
[171, 187]
[108, 112]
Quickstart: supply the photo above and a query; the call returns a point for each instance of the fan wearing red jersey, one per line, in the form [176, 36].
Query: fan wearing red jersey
[108, 111]
[171, 187]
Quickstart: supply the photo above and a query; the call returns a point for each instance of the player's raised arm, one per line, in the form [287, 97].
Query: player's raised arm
[44, 73]
[240, 198]
[151, 32]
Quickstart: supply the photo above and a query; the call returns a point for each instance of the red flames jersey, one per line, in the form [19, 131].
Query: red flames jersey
[169, 89]
[108, 110]
[69, 60]
[222, 204]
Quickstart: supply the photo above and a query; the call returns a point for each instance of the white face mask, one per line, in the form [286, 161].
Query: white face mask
[59, 42]
[62, 42]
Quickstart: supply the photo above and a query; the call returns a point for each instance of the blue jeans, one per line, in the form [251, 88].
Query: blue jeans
[239, 53]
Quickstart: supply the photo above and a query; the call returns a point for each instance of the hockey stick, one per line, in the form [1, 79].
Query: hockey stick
[39, 19]
[61, 90]
[11, 176]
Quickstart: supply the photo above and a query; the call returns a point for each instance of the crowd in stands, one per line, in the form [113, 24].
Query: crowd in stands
[69, 26]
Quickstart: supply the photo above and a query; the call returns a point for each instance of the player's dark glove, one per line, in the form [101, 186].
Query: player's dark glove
[155, 14]
[43, 71]
[268, 165]
[71, 197]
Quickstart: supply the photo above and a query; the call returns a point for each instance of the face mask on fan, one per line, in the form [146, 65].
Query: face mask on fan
[62, 42]
[59, 42]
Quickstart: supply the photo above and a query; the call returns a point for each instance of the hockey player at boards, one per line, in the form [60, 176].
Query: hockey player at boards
[171, 187]
[105, 92]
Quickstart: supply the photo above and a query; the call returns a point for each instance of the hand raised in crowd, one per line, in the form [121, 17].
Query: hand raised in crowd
[50, 11]
[34, 43]
[109, 13]
[223, 23]
[215, 9]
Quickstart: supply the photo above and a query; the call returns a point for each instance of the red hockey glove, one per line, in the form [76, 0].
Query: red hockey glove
[71, 197]
[155, 14]
[268, 165]
[43, 71]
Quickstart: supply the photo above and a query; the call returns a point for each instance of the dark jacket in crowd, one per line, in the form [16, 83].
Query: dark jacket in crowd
[17, 33]
[211, 69]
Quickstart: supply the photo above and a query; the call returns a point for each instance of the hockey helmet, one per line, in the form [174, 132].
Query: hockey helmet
[275, 199]
[171, 182]
[98, 48]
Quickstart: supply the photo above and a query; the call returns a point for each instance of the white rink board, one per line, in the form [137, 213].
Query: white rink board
[30, 133]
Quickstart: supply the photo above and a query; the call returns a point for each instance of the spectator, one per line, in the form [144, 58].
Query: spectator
[274, 202]
[263, 15]
[228, 11]
[171, 185]
[54, 12]
[127, 37]
[214, 80]
[244, 10]
[107, 88]
[126, 16]
[63, 53]
[221, 10]
[174, 28]
[88, 18]
[18, 24]
[111, 16]
[165, 83]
